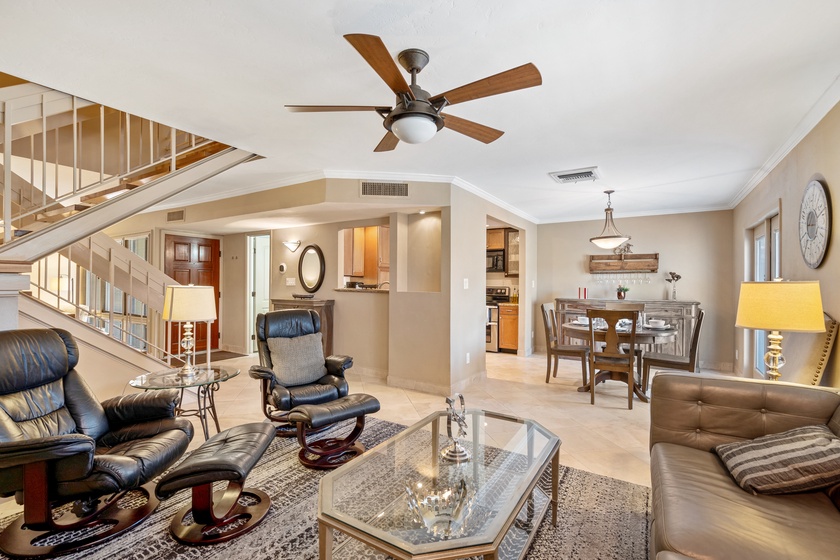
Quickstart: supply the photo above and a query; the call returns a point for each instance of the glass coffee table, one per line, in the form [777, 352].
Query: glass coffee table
[404, 499]
[205, 381]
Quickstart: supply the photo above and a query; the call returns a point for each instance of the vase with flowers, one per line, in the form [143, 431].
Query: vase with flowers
[672, 279]
[621, 291]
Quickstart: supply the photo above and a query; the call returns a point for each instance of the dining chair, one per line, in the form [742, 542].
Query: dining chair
[618, 305]
[610, 358]
[685, 363]
[555, 350]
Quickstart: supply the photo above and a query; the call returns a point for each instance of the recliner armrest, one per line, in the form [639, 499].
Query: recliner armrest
[336, 365]
[261, 372]
[17, 453]
[338, 382]
[140, 407]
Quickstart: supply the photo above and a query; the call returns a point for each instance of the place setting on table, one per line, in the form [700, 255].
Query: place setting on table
[648, 332]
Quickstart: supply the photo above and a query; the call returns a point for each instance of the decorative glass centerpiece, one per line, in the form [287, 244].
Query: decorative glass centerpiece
[442, 508]
[455, 452]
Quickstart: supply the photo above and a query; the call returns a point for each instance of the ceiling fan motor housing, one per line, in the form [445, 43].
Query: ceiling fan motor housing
[419, 106]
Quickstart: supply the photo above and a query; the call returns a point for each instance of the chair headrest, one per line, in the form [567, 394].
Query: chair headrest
[33, 357]
[287, 323]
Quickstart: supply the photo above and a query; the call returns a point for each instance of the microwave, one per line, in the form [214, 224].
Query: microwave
[496, 260]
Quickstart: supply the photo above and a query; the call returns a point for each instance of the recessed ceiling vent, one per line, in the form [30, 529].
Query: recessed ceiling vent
[176, 216]
[576, 175]
[371, 188]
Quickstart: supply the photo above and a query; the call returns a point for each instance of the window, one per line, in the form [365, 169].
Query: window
[766, 266]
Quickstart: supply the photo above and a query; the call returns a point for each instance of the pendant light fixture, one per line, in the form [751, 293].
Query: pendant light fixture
[610, 237]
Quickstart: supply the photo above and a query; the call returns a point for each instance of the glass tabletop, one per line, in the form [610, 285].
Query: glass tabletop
[405, 494]
[172, 378]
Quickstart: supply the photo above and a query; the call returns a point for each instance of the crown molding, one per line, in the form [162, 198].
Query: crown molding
[812, 118]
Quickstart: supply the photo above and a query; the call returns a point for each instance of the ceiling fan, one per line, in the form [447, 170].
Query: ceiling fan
[417, 115]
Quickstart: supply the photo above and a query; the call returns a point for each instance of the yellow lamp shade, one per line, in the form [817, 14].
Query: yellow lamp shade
[781, 306]
[189, 303]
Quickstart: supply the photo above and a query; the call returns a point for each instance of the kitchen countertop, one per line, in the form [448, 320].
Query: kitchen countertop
[507, 303]
[363, 291]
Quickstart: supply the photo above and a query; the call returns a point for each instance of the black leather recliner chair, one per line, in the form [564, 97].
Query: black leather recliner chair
[59, 445]
[279, 395]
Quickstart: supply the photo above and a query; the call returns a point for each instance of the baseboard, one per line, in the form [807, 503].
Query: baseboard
[235, 349]
[413, 385]
[461, 385]
[364, 374]
[727, 367]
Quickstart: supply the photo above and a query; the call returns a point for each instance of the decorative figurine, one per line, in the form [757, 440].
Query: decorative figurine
[455, 453]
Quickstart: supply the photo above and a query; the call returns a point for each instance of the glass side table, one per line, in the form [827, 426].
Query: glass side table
[206, 381]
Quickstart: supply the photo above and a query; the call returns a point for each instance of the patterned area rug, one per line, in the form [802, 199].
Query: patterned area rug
[599, 517]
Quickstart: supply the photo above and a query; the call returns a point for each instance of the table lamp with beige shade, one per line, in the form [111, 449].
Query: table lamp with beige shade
[780, 306]
[186, 304]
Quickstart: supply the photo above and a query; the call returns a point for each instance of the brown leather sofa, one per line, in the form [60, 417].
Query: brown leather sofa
[698, 509]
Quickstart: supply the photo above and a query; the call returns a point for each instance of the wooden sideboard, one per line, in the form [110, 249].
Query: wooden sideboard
[323, 307]
[681, 314]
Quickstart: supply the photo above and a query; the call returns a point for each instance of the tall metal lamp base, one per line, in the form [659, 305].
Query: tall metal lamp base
[773, 359]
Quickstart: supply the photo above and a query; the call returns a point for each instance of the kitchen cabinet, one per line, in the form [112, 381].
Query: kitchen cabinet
[354, 252]
[680, 314]
[512, 253]
[323, 307]
[384, 250]
[495, 239]
[508, 327]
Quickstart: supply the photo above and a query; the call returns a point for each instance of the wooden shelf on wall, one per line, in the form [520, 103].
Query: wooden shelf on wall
[632, 262]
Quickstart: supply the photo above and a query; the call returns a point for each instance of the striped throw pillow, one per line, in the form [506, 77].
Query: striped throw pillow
[797, 460]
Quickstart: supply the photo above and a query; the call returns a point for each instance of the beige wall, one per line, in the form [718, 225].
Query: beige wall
[360, 319]
[235, 301]
[815, 157]
[423, 253]
[697, 246]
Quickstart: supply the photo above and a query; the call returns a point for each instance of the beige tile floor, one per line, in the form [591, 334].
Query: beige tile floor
[606, 438]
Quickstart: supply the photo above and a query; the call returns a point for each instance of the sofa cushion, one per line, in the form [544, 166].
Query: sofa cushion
[698, 511]
[798, 460]
[298, 360]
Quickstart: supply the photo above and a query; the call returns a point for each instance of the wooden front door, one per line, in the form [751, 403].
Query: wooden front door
[194, 260]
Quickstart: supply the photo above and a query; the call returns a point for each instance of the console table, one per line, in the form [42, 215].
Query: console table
[323, 307]
[680, 314]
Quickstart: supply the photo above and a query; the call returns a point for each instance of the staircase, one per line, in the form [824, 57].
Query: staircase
[70, 168]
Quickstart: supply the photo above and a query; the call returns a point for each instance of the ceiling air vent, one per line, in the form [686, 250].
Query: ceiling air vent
[175, 216]
[370, 188]
[576, 175]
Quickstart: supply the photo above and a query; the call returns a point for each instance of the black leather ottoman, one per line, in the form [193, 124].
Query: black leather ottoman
[229, 455]
[332, 452]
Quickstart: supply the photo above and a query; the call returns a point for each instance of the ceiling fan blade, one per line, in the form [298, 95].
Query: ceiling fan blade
[472, 129]
[374, 52]
[521, 77]
[388, 143]
[330, 108]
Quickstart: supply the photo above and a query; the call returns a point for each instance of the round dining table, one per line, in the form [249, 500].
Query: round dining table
[645, 335]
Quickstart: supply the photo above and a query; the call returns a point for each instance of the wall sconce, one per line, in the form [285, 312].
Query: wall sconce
[292, 245]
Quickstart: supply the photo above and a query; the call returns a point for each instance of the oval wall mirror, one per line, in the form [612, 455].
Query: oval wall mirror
[311, 268]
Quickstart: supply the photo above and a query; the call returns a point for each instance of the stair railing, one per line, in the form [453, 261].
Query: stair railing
[58, 149]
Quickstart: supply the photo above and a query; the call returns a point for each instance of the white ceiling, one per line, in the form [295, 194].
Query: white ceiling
[683, 105]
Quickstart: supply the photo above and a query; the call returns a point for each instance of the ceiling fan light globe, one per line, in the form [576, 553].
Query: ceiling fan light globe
[414, 129]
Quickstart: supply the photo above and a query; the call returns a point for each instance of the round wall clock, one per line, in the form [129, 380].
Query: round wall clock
[814, 223]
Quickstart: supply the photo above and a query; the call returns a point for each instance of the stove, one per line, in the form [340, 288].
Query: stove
[494, 296]
[497, 295]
